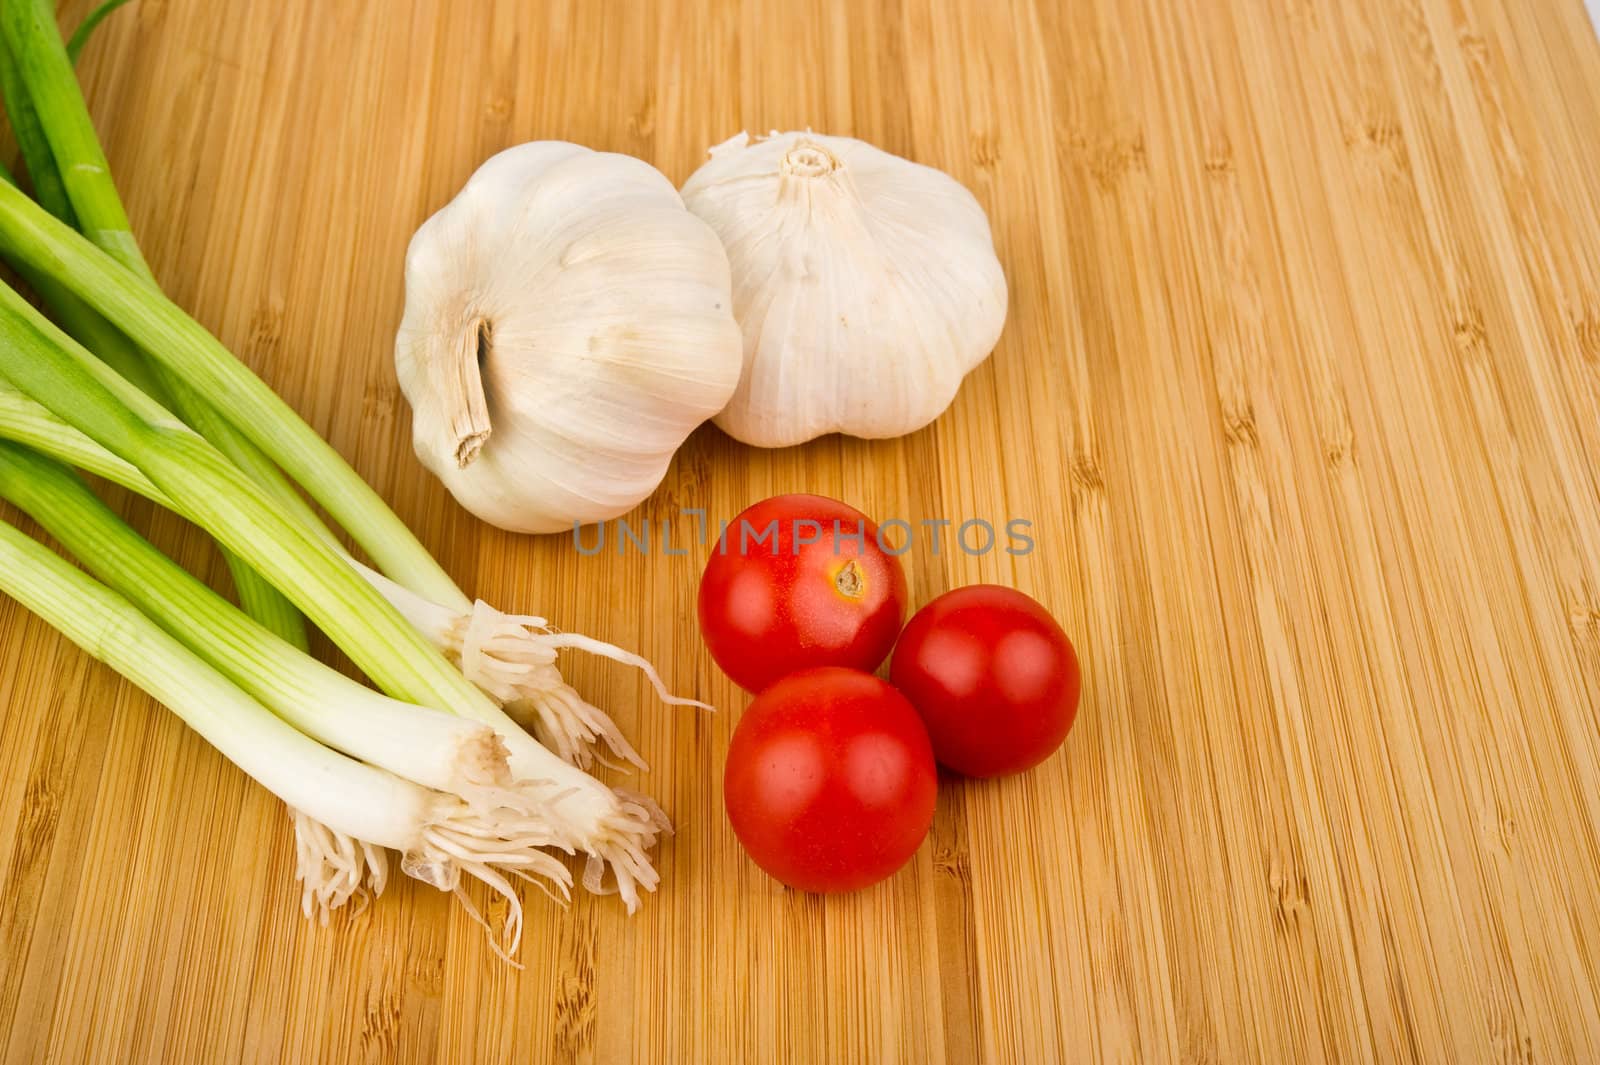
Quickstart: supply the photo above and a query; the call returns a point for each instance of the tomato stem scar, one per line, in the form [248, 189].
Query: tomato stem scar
[849, 581]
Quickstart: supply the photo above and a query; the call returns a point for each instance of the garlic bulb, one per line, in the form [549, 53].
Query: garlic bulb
[866, 285]
[567, 324]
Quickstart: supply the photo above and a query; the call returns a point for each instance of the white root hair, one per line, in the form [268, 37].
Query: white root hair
[493, 842]
[491, 846]
[622, 846]
[333, 868]
[512, 658]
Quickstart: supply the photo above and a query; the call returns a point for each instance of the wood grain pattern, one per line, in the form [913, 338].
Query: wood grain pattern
[1300, 388]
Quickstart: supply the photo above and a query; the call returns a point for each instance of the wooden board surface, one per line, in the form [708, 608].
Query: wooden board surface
[1300, 388]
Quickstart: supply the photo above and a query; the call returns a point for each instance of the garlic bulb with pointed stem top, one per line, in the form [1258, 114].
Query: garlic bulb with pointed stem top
[567, 324]
[866, 285]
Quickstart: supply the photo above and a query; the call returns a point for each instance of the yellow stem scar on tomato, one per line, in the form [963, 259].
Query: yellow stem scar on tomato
[849, 580]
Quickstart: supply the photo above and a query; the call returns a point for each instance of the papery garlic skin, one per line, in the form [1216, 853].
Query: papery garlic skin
[866, 285]
[567, 324]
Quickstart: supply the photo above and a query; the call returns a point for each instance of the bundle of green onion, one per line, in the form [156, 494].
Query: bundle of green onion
[472, 758]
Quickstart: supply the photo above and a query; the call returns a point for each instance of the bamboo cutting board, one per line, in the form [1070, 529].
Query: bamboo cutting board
[1300, 389]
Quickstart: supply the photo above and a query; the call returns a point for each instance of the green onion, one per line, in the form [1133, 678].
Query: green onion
[32, 425]
[435, 749]
[426, 747]
[87, 327]
[86, 28]
[510, 657]
[72, 180]
[35, 46]
[215, 494]
[614, 829]
[183, 345]
[42, 171]
[343, 809]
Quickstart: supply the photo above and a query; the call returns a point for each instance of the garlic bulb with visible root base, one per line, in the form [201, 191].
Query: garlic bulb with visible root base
[567, 324]
[866, 285]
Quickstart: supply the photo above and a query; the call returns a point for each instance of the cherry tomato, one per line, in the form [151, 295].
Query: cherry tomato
[993, 676]
[830, 780]
[800, 581]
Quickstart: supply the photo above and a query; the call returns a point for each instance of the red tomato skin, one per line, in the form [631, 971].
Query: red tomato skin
[771, 611]
[830, 781]
[994, 677]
